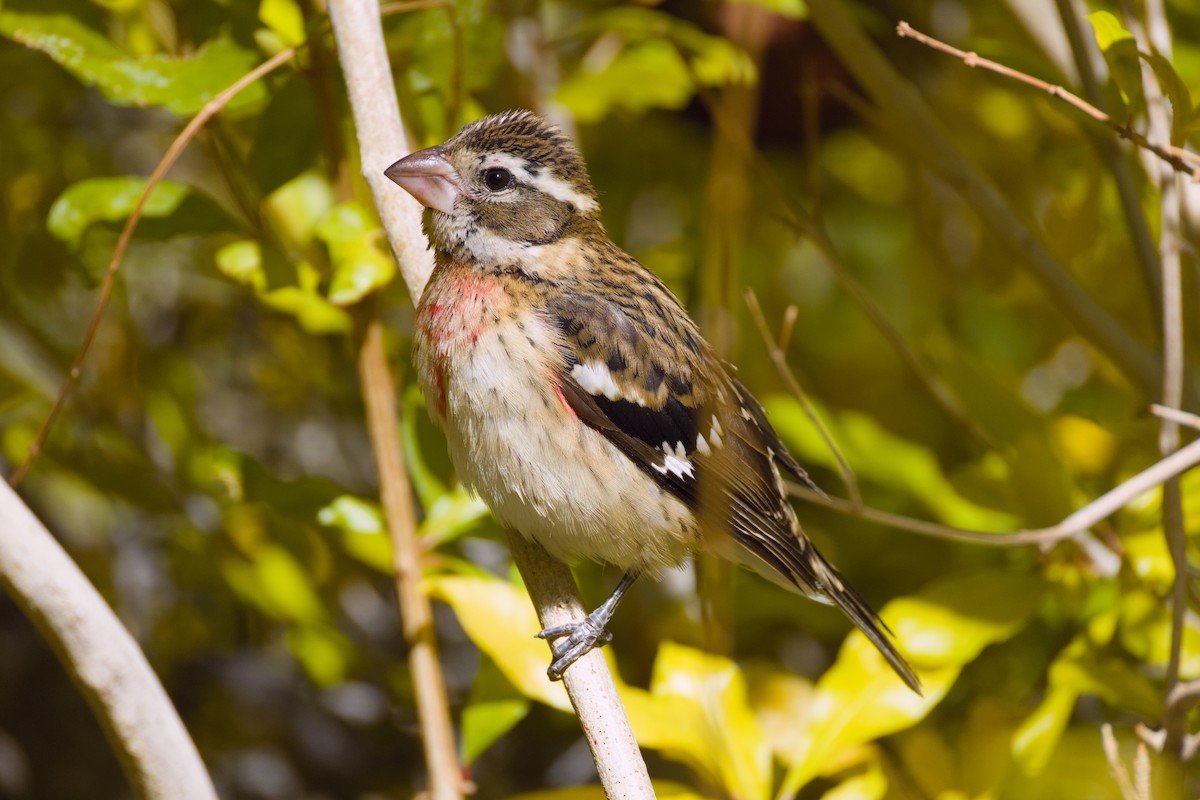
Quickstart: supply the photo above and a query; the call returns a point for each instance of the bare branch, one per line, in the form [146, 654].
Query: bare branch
[114, 264]
[1103, 506]
[1181, 160]
[98, 653]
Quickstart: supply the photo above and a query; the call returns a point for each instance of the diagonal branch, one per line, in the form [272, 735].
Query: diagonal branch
[1180, 159]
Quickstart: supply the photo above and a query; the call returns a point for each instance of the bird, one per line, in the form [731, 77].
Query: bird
[579, 399]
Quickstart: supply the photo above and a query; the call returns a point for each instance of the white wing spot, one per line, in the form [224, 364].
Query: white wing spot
[702, 446]
[595, 378]
[716, 426]
[715, 438]
[746, 414]
[681, 467]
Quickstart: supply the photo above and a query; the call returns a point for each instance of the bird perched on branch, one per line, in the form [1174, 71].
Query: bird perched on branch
[578, 398]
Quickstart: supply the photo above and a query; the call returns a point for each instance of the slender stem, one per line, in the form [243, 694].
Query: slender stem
[433, 711]
[779, 359]
[114, 264]
[1076, 523]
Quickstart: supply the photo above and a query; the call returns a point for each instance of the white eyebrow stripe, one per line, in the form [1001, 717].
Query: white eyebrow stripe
[544, 181]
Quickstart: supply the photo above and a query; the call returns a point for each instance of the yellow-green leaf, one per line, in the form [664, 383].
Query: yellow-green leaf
[109, 200]
[940, 630]
[500, 620]
[697, 712]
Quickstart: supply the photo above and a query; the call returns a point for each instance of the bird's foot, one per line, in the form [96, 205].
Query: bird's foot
[574, 640]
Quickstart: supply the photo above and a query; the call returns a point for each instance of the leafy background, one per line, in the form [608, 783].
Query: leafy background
[213, 477]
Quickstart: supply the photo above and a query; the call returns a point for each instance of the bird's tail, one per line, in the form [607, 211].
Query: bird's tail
[834, 588]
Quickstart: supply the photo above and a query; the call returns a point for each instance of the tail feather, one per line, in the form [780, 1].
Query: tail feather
[846, 597]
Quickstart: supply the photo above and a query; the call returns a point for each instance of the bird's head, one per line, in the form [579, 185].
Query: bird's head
[500, 186]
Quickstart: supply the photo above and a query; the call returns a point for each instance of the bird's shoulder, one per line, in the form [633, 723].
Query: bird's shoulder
[636, 368]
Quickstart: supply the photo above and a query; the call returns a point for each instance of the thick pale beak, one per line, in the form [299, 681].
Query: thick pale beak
[428, 176]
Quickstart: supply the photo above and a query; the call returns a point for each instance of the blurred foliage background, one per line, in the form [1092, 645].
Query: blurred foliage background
[213, 477]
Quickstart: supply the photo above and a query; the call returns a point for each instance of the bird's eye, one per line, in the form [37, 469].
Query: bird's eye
[497, 178]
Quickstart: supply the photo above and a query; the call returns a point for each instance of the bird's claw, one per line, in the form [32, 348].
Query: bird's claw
[574, 639]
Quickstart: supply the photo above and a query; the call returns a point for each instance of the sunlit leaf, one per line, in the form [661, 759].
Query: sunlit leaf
[940, 630]
[697, 712]
[1176, 92]
[285, 20]
[243, 262]
[181, 84]
[1108, 29]
[782, 702]
[1034, 742]
[359, 265]
[792, 9]
[275, 581]
[110, 200]
[1120, 52]
[364, 535]
[869, 785]
[500, 620]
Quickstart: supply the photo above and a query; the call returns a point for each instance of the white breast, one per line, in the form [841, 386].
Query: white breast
[515, 441]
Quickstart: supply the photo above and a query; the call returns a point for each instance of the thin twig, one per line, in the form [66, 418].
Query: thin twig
[1112, 755]
[1076, 523]
[807, 225]
[110, 275]
[779, 359]
[1182, 160]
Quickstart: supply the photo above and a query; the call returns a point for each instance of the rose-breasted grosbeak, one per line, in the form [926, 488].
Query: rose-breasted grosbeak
[578, 397]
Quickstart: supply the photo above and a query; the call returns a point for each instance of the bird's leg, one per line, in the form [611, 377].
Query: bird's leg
[577, 638]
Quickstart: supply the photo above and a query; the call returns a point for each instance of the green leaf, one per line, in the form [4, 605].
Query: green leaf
[359, 265]
[648, 68]
[1035, 741]
[243, 262]
[791, 9]
[182, 85]
[500, 620]
[1176, 91]
[284, 19]
[275, 582]
[364, 536]
[492, 710]
[1108, 29]
[697, 712]
[322, 651]
[1121, 54]
[940, 630]
[869, 785]
[641, 77]
[94, 200]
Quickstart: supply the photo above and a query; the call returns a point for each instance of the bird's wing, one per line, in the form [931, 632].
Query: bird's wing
[635, 369]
